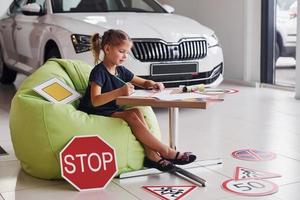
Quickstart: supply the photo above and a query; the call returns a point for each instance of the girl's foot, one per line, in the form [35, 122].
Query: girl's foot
[153, 160]
[185, 158]
[162, 164]
[180, 158]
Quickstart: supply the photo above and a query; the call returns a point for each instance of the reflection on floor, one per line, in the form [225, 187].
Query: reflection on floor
[285, 71]
[255, 118]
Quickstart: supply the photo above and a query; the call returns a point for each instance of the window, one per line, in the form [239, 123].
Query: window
[15, 6]
[68, 5]
[42, 3]
[137, 4]
[106, 6]
[285, 4]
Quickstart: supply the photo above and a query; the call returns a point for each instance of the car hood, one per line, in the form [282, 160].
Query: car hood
[168, 27]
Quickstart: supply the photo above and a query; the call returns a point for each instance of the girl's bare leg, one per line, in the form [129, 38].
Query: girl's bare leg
[152, 155]
[141, 132]
[171, 152]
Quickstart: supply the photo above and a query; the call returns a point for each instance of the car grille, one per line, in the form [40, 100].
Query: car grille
[158, 50]
[189, 79]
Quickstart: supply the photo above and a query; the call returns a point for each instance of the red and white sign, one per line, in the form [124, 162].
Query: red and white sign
[243, 173]
[217, 91]
[253, 155]
[88, 162]
[170, 192]
[250, 187]
[230, 91]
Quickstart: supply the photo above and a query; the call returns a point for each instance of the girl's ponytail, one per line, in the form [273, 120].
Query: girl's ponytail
[96, 47]
[110, 37]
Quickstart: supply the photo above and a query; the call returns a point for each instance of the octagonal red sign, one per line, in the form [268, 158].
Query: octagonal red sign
[88, 162]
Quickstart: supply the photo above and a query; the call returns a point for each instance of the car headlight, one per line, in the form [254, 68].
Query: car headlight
[81, 43]
[212, 41]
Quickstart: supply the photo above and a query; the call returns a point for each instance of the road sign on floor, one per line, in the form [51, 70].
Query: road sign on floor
[170, 192]
[243, 173]
[216, 91]
[250, 187]
[88, 162]
[253, 155]
[2, 151]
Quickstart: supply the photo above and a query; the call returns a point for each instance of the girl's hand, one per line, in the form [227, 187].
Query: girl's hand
[127, 89]
[158, 86]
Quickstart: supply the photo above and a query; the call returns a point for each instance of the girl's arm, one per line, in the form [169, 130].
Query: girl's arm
[147, 84]
[99, 99]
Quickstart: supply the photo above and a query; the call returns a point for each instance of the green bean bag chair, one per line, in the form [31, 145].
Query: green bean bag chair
[40, 129]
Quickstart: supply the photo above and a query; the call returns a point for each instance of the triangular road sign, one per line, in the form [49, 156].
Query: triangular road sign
[243, 173]
[170, 192]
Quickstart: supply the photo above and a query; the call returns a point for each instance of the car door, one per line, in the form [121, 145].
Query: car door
[7, 30]
[27, 34]
[292, 26]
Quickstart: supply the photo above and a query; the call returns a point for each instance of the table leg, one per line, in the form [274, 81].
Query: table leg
[173, 136]
[182, 172]
[173, 127]
[153, 171]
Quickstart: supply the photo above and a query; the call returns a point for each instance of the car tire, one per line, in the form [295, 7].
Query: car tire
[52, 53]
[277, 51]
[7, 75]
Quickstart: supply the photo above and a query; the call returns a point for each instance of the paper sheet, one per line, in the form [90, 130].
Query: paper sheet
[167, 94]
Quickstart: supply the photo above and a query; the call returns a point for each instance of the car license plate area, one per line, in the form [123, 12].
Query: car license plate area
[173, 69]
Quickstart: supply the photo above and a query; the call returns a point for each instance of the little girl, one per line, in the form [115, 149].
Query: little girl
[109, 80]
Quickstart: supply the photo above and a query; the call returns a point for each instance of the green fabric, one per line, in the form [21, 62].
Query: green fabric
[40, 129]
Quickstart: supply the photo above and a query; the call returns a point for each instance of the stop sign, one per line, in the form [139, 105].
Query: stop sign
[88, 162]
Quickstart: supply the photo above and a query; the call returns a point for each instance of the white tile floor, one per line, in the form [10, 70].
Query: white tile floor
[258, 118]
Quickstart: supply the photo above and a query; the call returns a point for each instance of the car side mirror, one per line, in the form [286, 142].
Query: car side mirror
[168, 8]
[32, 9]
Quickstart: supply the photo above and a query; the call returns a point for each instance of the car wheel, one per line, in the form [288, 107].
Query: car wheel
[277, 51]
[7, 76]
[52, 53]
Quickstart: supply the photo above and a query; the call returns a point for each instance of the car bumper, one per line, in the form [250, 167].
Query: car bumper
[209, 69]
[210, 78]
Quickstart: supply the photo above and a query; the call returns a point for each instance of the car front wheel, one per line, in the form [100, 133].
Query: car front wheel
[52, 53]
[7, 76]
[277, 51]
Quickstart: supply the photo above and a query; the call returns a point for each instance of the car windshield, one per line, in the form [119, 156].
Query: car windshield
[285, 4]
[67, 6]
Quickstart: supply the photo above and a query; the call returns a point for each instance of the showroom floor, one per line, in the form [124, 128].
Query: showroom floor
[255, 118]
[285, 71]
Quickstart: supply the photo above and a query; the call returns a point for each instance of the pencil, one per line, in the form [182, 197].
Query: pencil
[120, 80]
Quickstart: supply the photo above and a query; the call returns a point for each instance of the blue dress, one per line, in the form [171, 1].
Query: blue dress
[107, 82]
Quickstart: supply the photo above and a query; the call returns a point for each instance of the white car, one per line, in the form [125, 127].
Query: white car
[167, 47]
[286, 28]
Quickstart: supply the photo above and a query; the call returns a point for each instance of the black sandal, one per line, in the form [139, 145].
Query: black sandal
[162, 165]
[186, 158]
